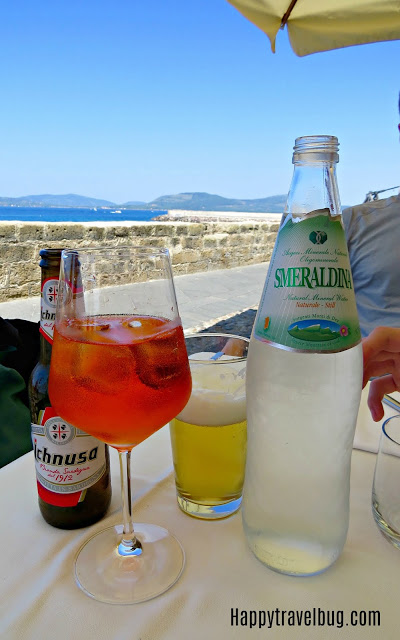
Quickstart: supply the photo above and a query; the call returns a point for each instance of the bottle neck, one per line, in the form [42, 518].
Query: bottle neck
[314, 188]
[45, 351]
[48, 302]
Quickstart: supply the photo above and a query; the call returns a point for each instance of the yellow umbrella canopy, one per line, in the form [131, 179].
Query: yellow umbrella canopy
[322, 25]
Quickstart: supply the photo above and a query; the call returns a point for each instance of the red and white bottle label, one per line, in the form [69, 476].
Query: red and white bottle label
[67, 460]
[48, 304]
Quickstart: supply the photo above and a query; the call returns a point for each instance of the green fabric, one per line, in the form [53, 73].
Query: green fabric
[15, 423]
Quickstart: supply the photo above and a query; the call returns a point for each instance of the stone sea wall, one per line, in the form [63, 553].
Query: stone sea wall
[213, 242]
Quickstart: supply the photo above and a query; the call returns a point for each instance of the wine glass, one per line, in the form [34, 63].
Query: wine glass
[119, 371]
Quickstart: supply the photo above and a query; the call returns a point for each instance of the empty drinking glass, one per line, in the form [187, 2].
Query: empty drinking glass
[386, 485]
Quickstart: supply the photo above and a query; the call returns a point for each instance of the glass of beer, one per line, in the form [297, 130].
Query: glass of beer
[119, 371]
[209, 435]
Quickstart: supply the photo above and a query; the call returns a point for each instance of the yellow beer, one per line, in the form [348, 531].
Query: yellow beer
[209, 436]
[209, 461]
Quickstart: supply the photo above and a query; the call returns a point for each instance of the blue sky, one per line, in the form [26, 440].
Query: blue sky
[133, 100]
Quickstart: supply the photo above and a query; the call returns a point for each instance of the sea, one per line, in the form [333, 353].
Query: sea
[70, 214]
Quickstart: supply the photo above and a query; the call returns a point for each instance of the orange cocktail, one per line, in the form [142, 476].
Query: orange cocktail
[120, 378]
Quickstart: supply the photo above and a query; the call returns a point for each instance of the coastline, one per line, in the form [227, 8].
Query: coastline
[186, 215]
[172, 215]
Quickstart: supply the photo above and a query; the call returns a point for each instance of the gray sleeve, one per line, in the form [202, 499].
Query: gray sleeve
[347, 217]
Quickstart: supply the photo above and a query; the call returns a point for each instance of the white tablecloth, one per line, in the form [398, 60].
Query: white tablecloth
[39, 598]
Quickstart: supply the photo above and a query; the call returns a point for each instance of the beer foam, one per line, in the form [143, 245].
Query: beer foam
[218, 391]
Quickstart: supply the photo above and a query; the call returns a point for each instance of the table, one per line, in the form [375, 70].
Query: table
[223, 583]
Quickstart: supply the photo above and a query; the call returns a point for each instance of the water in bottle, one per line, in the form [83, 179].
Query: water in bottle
[304, 375]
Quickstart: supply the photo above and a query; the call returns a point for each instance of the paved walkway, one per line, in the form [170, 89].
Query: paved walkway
[214, 295]
[202, 297]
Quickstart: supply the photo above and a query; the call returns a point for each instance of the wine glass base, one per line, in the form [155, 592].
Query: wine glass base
[106, 575]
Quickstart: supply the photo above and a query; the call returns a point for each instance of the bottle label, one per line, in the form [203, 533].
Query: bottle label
[67, 460]
[308, 302]
[48, 304]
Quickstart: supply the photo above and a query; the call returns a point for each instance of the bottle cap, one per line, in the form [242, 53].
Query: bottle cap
[49, 257]
[316, 149]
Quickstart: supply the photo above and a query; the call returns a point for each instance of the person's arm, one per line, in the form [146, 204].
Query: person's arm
[381, 351]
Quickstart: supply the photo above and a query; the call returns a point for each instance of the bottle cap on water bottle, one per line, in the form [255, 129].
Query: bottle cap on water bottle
[316, 149]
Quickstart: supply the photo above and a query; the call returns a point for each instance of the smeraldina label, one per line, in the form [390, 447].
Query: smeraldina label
[308, 303]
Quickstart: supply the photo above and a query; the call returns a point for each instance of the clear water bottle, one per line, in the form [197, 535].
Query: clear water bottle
[304, 376]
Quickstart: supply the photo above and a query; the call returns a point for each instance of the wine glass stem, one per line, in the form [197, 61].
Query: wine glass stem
[129, 545]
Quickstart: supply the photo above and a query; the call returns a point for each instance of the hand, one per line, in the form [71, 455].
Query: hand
[381, 351]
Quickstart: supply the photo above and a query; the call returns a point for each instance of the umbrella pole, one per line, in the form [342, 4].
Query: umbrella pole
[287, 14]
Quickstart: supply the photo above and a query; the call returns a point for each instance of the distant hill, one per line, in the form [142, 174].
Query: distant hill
[49, 200]
[200, 201]
[190, 201]
[197, 201]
